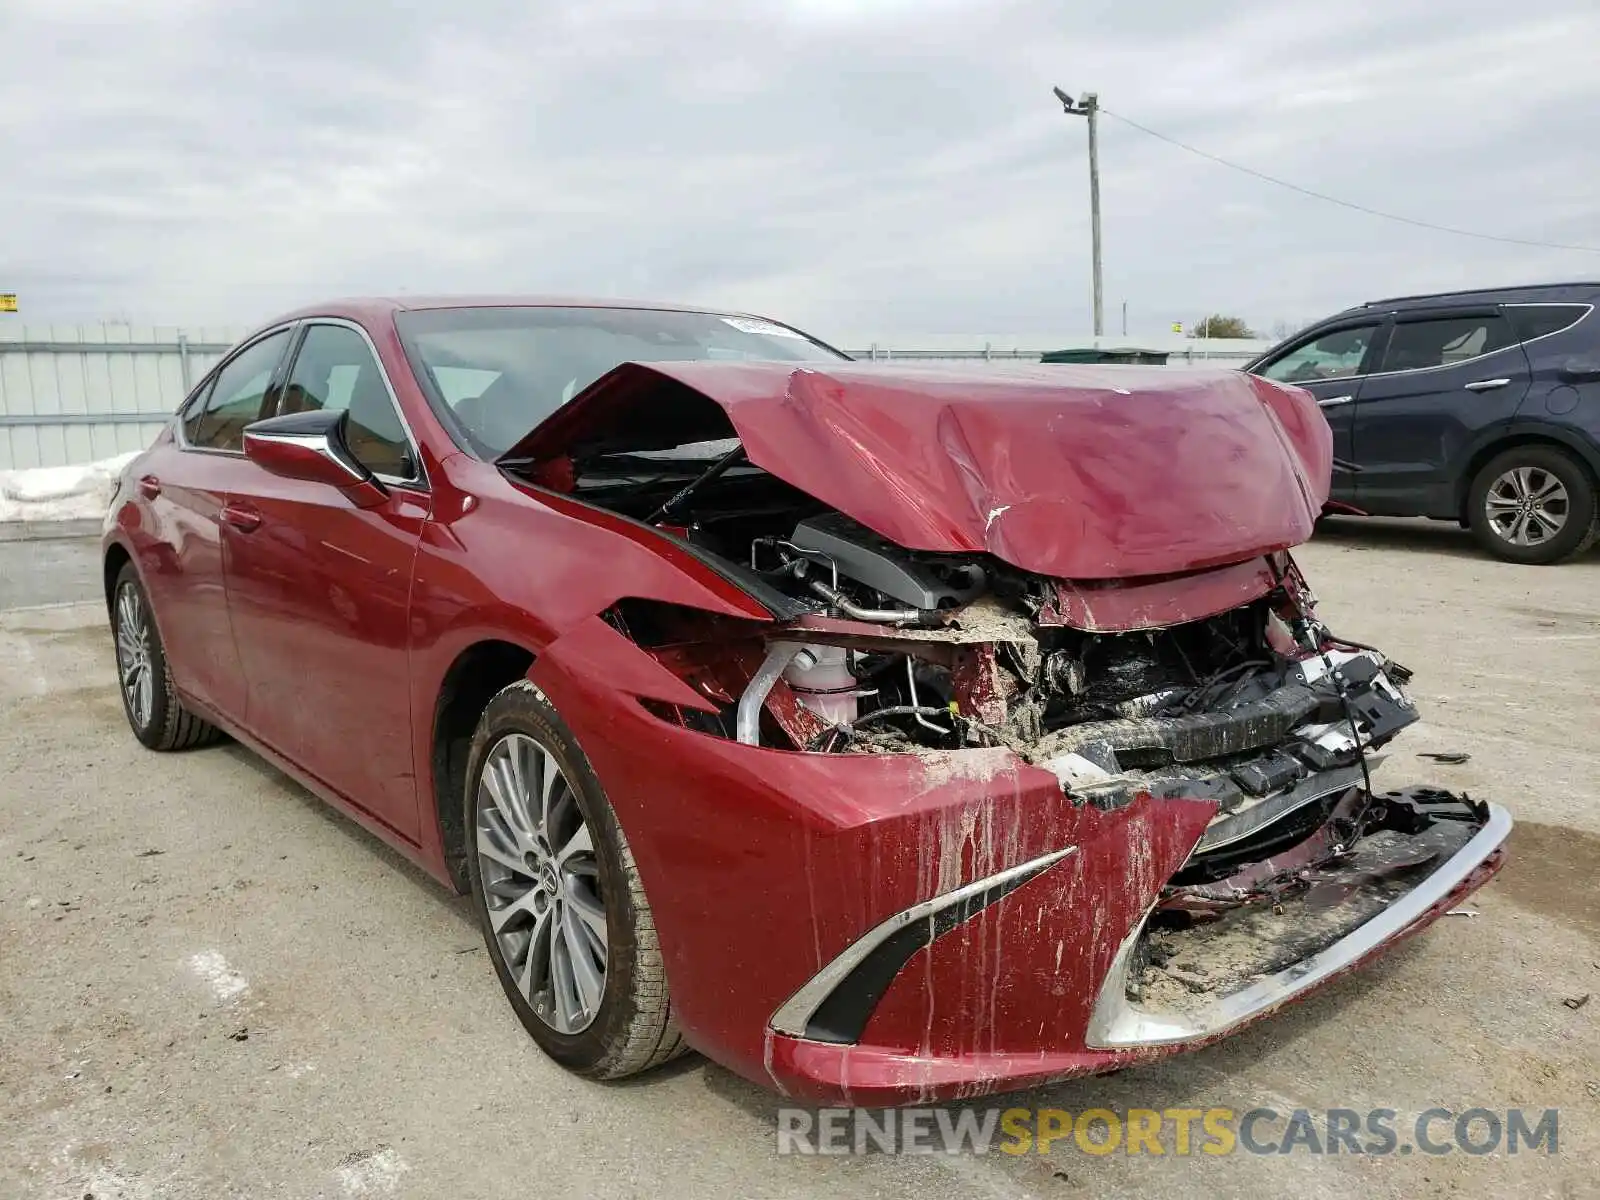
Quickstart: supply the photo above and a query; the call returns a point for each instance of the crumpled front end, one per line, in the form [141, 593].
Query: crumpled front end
[948, 824]
[895, 863]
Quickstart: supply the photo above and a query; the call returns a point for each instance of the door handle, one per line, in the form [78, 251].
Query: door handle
[1333, 400]
[1487, 385]
[149, 487]
[244, 519]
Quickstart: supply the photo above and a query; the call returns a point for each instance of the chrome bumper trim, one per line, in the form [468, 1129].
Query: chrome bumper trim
[1119, 1024]
[795, 1014]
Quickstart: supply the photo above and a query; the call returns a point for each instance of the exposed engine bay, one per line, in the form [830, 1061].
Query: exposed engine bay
[887, 650]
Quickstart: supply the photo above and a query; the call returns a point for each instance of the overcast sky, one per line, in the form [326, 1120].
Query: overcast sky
[859, 167]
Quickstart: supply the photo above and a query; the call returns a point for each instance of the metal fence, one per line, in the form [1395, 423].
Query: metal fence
[74, 394]
[80, 393]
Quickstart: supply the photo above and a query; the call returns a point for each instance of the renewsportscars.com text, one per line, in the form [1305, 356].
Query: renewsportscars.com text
[1167, 1131]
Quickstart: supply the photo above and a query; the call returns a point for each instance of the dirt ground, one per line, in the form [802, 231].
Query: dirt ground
[211, 985]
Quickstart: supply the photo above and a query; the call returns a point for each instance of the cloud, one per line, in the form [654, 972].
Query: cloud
[860, 167]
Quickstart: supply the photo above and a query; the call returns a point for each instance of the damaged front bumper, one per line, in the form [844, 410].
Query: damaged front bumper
[1120, 1022]
[1387, 892]
[890, 928]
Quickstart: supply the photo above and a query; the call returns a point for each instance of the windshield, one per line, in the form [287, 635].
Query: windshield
[499, 372]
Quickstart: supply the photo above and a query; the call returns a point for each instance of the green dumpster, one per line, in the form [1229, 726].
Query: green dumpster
[1123, 356]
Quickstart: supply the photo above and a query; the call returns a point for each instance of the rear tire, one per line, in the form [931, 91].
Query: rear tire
[1533, 504]
[548, 863]
[156, 715]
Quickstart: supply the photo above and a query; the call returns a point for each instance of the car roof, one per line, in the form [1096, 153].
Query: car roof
[361, 308]
[1531, 293]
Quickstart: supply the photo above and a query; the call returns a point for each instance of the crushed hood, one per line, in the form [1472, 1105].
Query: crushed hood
[1073, 472]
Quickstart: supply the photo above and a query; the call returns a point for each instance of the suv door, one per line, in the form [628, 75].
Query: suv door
[1445, 377]
[1329, 362]
[318, 589]
[183, 490]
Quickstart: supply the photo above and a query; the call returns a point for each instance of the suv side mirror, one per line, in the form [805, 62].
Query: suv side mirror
[311, 446]
[1580, 370]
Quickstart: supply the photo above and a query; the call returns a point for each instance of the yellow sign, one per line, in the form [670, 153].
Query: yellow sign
[1177, 327]
[8, 302]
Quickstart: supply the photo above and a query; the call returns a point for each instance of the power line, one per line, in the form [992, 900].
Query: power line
[1361, 208]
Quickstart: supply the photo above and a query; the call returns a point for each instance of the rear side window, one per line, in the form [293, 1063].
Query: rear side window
[237, 395]
[1443, 342]
[1538, 320]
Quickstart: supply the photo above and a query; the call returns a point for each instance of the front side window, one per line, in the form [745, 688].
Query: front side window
[237, 395]
[498, 372]
[1445, 341]
[1328, 356]
[335, 369]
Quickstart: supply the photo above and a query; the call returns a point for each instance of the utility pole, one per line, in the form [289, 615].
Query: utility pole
[1089, 108]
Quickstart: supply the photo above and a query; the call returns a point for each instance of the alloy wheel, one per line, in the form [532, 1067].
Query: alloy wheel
[541, 883]
[133, 656]
[1527, 506]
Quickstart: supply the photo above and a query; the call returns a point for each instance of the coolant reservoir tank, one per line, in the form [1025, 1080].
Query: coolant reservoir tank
[821, 679]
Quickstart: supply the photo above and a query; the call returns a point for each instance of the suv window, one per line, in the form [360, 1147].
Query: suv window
[335, 369]
[236, 396]
[1443, 342]
[1329, 356]
[1537, 320]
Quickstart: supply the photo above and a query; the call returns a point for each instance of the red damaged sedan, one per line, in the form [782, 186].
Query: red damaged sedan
[883, 734]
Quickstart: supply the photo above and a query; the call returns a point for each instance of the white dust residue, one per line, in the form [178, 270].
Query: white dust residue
[374, 1174]
[225, 983]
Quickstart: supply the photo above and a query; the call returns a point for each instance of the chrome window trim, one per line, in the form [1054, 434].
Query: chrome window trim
[179, 437]
[795, 1014]
[1393, 318]
[418, 482]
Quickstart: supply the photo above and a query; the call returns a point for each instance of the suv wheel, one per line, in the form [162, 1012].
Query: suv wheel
[563, 912]
[1533, 504]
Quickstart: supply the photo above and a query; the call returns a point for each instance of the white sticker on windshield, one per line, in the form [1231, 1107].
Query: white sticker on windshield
[753, 325]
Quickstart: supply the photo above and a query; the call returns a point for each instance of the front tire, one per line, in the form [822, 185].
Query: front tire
[155, 714]
[563, 913]
[1533, 504]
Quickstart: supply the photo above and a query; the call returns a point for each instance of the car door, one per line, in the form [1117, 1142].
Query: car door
[1445, 376]
[1329, 362]
[318, 589]
[183, 486]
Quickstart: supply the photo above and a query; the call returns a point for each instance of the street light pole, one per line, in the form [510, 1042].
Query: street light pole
[1089, 108]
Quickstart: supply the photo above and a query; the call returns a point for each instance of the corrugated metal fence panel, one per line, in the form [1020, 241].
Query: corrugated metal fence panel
[72, 394]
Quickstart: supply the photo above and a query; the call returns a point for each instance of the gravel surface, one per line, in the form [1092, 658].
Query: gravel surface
[211, 985]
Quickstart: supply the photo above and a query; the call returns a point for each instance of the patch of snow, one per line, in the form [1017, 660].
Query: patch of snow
[224, 981]
[61, 493]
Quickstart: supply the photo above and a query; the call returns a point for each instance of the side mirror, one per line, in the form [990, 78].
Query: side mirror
[1580, 370]
[311, 446]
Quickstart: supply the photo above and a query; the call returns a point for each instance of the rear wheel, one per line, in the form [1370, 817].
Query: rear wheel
[1533, 504]
[156, 715]
[562, 909]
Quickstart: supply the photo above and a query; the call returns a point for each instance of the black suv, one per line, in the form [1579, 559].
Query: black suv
[1477, 407]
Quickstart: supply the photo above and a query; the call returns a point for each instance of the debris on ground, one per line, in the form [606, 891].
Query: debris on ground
[1450, 757]
[1577, 1002]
